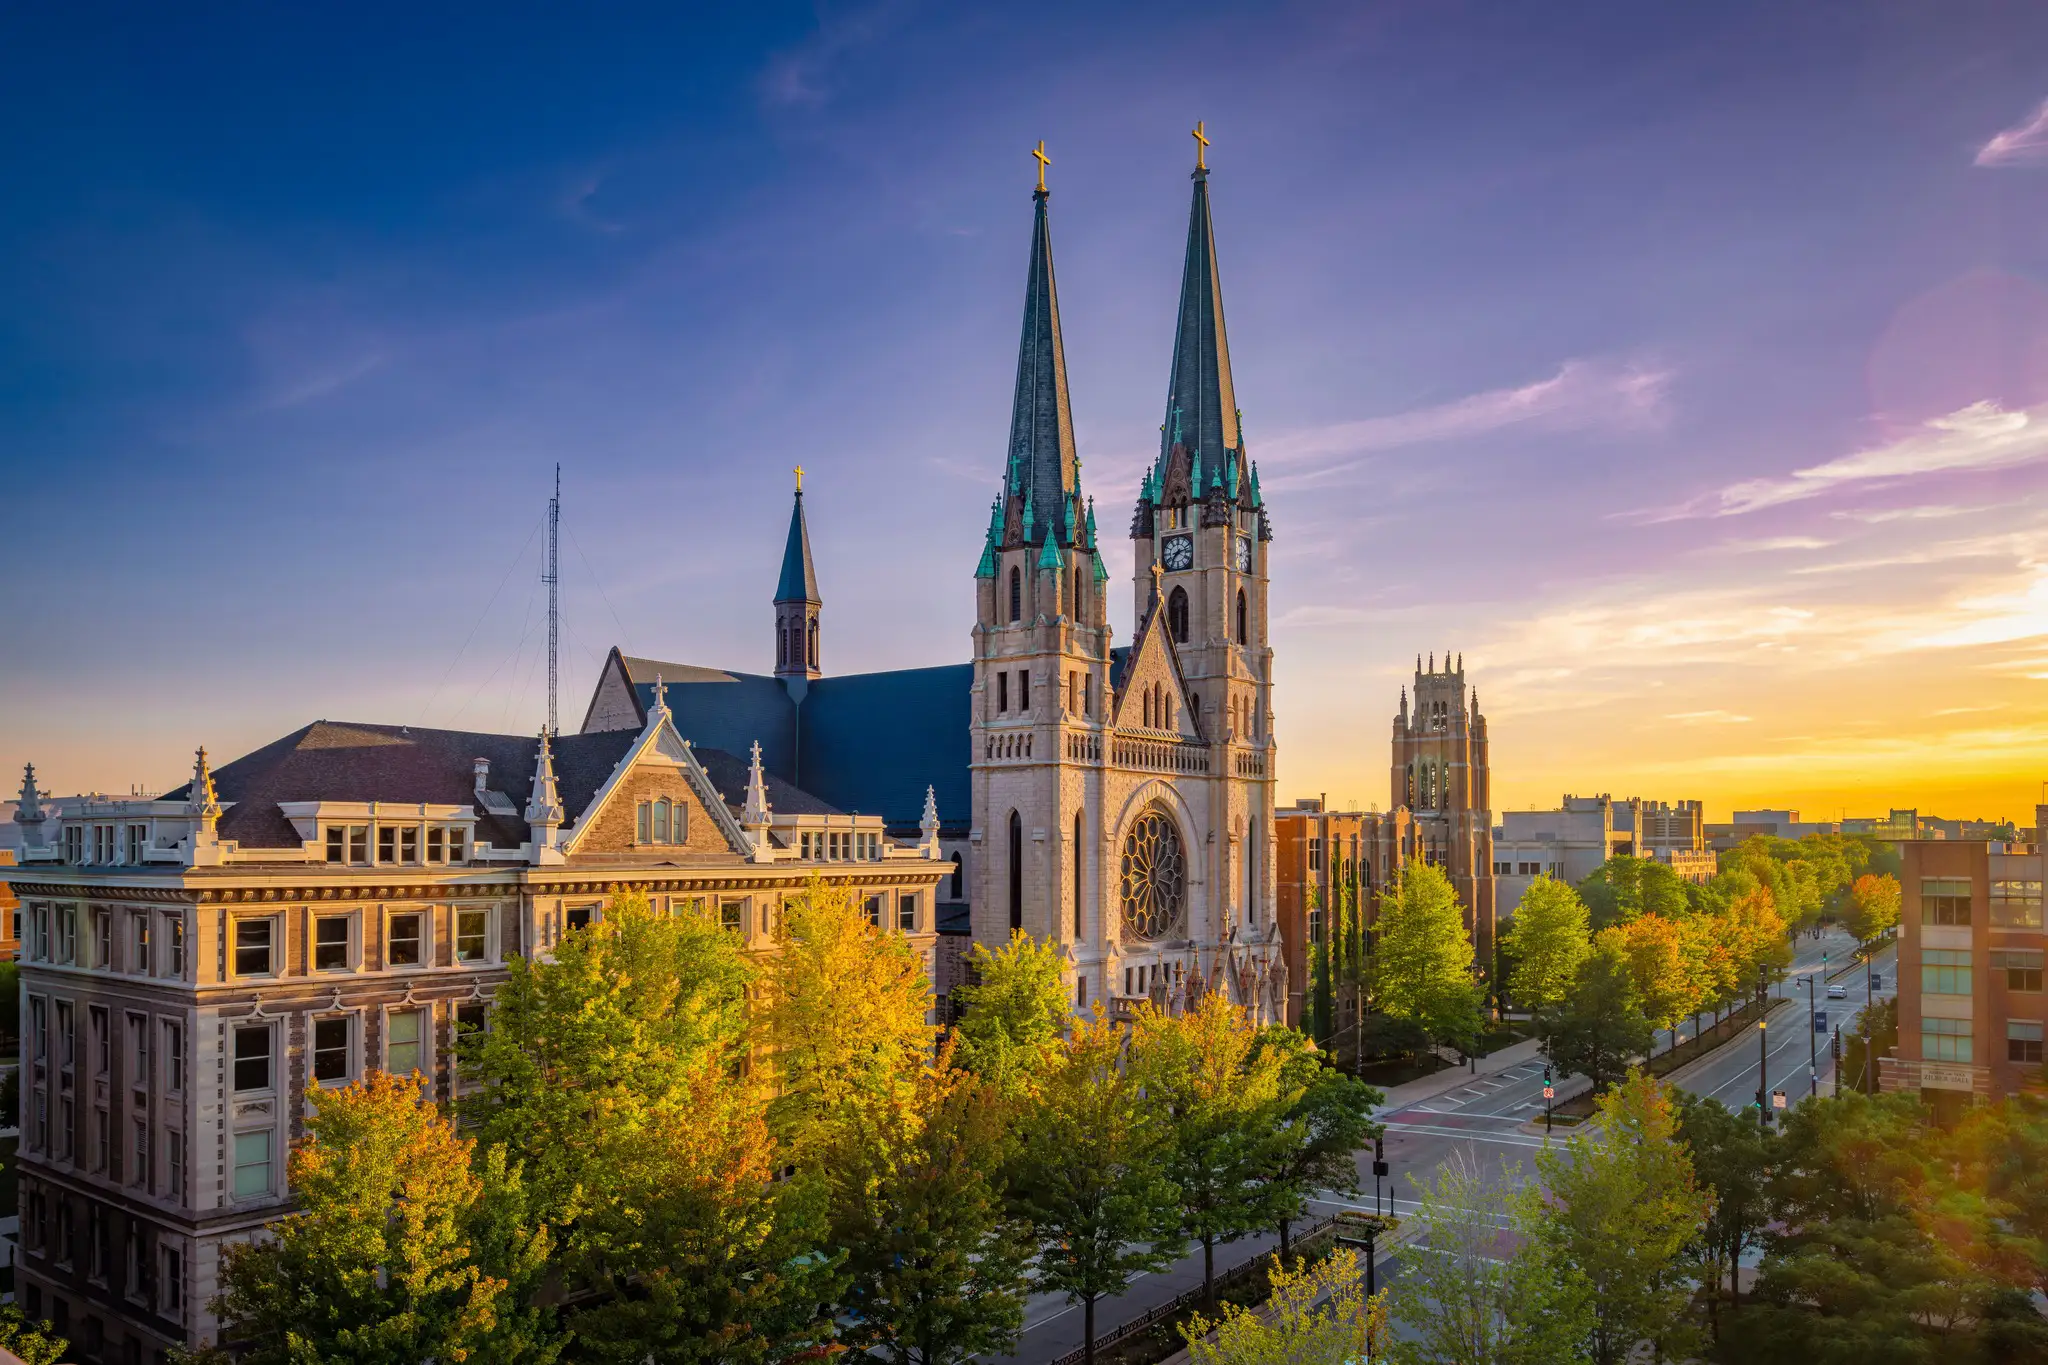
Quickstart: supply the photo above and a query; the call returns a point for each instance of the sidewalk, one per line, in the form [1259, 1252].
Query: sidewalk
[1442, 1082]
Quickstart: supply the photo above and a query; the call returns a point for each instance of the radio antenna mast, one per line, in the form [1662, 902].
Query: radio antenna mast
[552, 577]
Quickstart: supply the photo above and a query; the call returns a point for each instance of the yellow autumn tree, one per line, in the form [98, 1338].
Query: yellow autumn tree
[1666, 977]
[845, 1019]
[1317, 1315]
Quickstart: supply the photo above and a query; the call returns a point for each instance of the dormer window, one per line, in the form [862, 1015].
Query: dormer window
[348, 843]
[398, 844]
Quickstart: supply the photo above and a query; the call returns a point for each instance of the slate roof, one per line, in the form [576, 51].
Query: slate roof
[346, 761]
[1201, 387]
[799, 581]
[868, 743]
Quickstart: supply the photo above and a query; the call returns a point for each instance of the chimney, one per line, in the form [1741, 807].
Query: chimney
[483, 775]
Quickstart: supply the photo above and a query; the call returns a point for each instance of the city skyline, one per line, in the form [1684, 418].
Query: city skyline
[1695, 398]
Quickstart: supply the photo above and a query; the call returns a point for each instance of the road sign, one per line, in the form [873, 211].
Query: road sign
[1777, 1099]
[1549, 1092]
[1379, 1168]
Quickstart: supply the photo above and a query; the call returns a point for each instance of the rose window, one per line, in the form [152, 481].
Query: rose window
[1154, 877]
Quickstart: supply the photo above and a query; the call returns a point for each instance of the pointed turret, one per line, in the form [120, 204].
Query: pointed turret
[754, 813]
[544, 807]
[797, 603]
[1043, 472]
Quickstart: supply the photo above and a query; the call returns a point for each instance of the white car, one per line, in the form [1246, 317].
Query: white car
[1838, 992]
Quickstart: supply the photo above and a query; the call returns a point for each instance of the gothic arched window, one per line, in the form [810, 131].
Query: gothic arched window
[1154, 899]
[661, 810]
[1016, 594]
[1016, 870]
[1243, 636]
[958, 870]
[814, 643]
[1177, 615]
[781, 647]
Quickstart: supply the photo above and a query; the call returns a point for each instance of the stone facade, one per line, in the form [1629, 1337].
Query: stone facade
[1441, 775]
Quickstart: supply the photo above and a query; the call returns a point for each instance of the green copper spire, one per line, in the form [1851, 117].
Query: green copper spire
[1041, 421]
[1029, 518]
[1091, 521]
[1049, 557]
[987, 567]
[1201, 387]
[1101, 570]
[799, 581]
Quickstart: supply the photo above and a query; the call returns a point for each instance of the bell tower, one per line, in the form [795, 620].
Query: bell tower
[1441, 775]
[797, 605]
[1041, 649]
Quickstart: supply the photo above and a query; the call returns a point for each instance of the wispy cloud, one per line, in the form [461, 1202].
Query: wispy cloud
[1582, 394]
[2023, 144]
[1773, 544]
[1980, 436]
[802, 76]
[1877, 516]
[1707, 718]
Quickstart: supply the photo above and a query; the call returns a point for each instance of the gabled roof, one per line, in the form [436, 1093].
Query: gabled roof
[799, 581]
[1154, 643]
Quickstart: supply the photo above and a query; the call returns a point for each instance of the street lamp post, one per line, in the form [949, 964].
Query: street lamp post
[1763, 1052]
[1812, 1047]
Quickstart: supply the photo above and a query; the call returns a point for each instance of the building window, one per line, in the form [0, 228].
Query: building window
[1016, 871]
[74, 844]
[643, 828]
[174, 1058]
[348, 843]
[1945, 900]
[102, 1040]
[457, 842]
[398, 844]
[102, 1139]
[171, 1294]
[1944, 973]
[138, 1170]
[661, 810]
[1002, 693]
[174, 1162]
[906, 913]
[402, 1042]
[252, 1164]
[96, 1242]
[252, 1058]
[102, 940]
[1945, 1040]
[732, 916]
[472, 930]
[330, 943]
[1315, 855]
[2015, 904]
[174, 943]
[1016, 595]
[402, 943]
[436, 845]
[330, 1048]
[1243, 618]
[2022, 968]
[1177, 615]
[335, 835]
[2023, 1041]
[67, 933]
[138, 942]
[253, 946]
[580, 917]
[1023, 689]
[873, 908]
[959, 876]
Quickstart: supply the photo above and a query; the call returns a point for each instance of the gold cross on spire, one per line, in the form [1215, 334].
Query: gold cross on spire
[1201, 146]
[1038, 152]
[799, 478]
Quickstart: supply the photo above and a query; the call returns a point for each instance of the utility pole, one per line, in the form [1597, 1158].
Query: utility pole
[553, 577]
[1763, 1051]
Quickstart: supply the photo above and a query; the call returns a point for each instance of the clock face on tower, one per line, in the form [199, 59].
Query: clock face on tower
[1178, 553]
[1244, 554]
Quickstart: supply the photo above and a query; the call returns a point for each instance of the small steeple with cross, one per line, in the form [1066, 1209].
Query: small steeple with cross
[1038, 154]
[1201, 146]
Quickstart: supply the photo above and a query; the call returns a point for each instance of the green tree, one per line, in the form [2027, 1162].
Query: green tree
[37, 1343]
[1600, 1029]
[1316, 1315]
[1218, 1091]
[935, 1263]
[1871, 908]
[1549, 938]
[1618, 1205]
[619, 1071]
[1322, 975]
[1089, 1176]
[1422, 959]
[387, 1261]
[1014, 1012]
[1478, 1289]
[1624, 887]
[847, 1004]
[1732, 1157]
[1326, 1120]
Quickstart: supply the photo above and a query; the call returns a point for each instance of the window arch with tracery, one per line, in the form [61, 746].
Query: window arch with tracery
[1154, 878]
[1177, 615]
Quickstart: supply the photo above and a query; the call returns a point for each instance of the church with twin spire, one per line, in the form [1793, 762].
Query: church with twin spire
[1115, 798]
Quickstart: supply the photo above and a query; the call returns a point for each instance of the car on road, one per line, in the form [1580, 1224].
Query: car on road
[1838, 992]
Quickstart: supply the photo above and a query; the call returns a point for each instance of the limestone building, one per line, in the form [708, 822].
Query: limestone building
[1441, 775]
[342, 899]
[1117, 799]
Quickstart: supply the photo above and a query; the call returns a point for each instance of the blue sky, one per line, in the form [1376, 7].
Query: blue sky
[1684, 367]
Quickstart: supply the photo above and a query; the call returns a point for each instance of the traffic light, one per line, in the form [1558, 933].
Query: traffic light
[1379, 1149]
